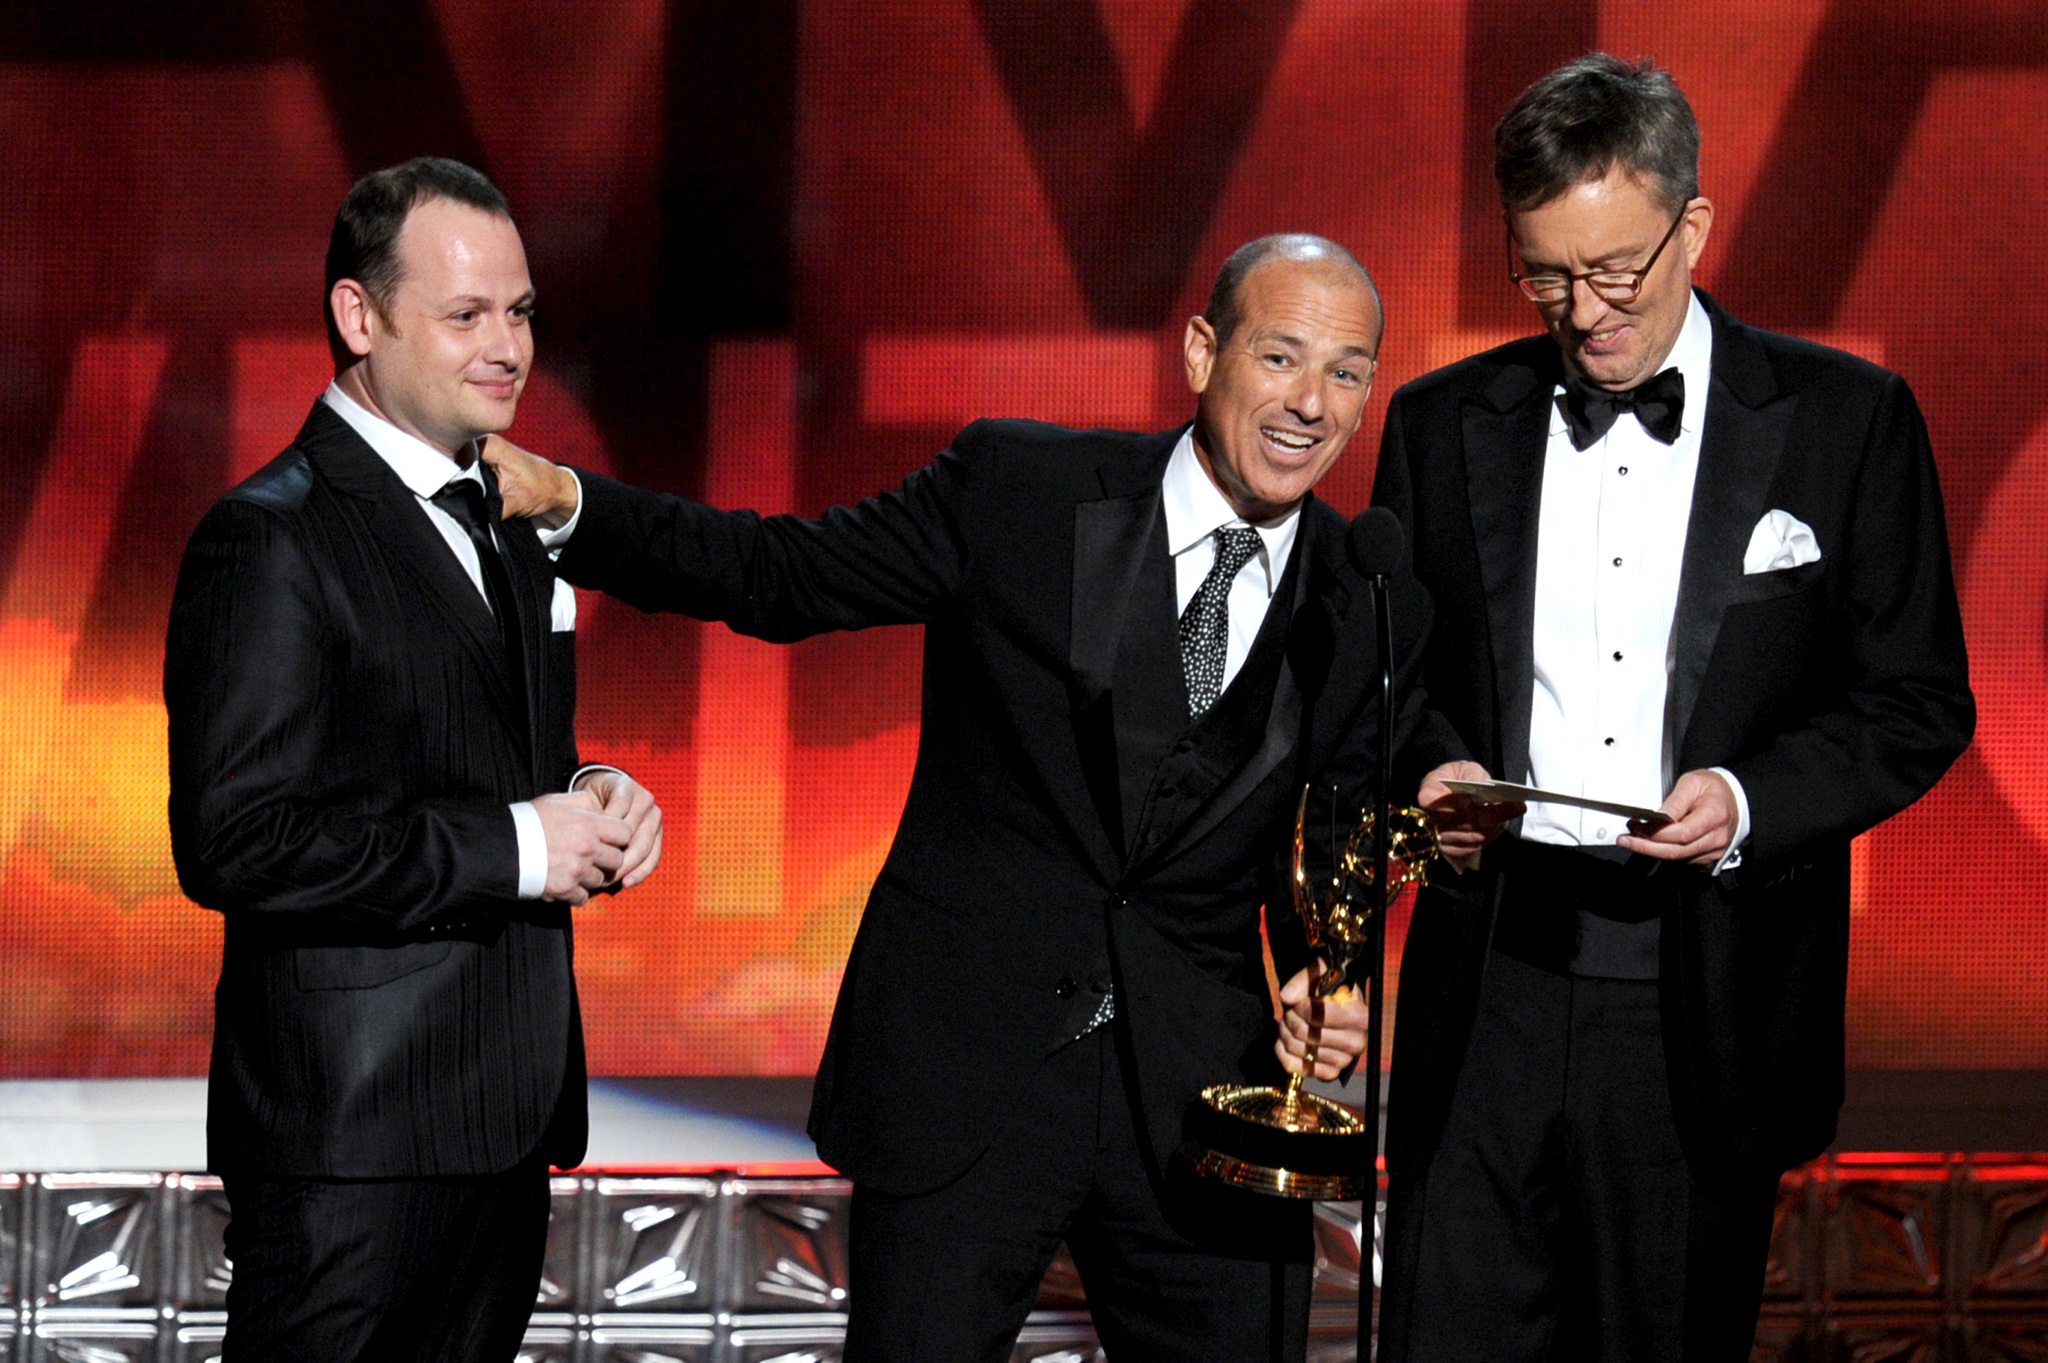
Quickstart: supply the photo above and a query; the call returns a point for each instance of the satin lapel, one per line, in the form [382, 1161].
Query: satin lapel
[1506, 432]
[1283, 715]
[1110, 536]
[533, 584]
[1747, 420]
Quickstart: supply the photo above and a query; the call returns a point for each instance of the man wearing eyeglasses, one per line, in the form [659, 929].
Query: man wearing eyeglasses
[1679, 564]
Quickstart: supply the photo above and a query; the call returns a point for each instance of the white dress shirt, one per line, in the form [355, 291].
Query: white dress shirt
[1610, 543]
[1195, 511]
[425, 471]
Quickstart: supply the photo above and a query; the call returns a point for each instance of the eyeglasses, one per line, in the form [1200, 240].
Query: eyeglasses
[1614, 286]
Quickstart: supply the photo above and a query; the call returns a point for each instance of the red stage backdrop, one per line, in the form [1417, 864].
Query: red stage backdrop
[783, 249]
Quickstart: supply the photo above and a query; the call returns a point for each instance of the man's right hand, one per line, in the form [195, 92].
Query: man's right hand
[1463, 824]
[531, 487]
[586, 847]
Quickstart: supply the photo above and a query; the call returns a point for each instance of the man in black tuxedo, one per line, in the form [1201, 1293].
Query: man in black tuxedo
[1676, 562]
[1137, 647]
[370, 689]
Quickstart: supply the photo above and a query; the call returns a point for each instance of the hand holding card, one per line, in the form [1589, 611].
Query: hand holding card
[1506, 792]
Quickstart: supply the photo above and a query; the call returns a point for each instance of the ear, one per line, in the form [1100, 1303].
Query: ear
[1199, 349]
[1699, 222]
[354, 315]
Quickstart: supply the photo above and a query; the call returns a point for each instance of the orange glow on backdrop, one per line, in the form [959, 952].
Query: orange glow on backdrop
[781, 256]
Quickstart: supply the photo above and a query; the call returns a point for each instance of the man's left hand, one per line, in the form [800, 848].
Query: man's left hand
[1464, 825]
[624, 798]
[1704, 820]
[1341, 1019]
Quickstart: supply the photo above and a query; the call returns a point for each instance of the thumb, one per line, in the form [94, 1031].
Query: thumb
[1685, 794]
[514, 466]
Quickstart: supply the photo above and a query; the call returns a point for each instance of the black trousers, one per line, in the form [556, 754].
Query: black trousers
[1557, 1218]
[438, 1270]
[1174, 1269]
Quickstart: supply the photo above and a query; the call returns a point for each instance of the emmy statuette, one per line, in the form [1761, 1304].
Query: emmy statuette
[1285, 1141]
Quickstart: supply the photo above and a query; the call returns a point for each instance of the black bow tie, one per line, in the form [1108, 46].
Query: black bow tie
[1658, 404]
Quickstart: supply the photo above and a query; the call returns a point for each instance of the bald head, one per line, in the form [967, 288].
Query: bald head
[1226, 308]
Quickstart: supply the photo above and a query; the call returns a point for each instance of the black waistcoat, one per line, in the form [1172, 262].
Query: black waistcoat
[1167, 764]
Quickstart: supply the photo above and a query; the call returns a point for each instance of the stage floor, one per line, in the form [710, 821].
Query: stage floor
[160, 1124]
[702, 1229]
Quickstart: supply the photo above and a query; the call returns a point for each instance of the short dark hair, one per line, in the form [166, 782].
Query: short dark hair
[1589, 116]
[364, 246]
[1224, 312]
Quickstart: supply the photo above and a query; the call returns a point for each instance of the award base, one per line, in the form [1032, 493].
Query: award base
[1285, 1143]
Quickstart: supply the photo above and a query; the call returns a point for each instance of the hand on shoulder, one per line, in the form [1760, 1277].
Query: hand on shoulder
[532, 488]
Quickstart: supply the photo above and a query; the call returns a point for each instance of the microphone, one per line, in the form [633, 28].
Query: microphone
[1374, 542]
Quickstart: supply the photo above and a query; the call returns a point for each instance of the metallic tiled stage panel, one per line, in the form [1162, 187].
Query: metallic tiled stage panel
[1910, 1259]
[1875, 1259]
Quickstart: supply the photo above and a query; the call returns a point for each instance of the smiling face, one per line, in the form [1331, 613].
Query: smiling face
[1281, 396]
[447, 358]
[1613, 223]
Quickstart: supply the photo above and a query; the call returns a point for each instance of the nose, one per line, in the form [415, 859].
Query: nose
[1589, 309]
[1305, 401]
[507, 343]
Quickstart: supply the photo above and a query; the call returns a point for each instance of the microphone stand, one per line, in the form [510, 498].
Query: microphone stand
[1376, 960]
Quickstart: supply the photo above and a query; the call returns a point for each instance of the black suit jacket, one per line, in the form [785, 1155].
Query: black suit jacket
[345, 741]
[1836, 692]
[1040, 828]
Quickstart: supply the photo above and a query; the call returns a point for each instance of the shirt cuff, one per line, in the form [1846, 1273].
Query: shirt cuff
[533, 850]
[1732, 858]
[557, 539]
[588, 767]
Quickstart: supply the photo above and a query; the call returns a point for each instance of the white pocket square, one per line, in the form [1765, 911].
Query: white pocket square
[1780, 540]
[562, 610]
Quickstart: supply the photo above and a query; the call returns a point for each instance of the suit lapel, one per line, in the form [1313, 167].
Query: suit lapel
[1110, 537]
[1746, 424]
[1149, 695]
[1506, 432]
[1299, 599]
[409, 540]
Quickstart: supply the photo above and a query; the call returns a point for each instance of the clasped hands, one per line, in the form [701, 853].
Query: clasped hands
[603, 835]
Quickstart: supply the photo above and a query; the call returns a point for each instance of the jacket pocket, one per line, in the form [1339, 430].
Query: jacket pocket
[363, 967]
[1776, 583]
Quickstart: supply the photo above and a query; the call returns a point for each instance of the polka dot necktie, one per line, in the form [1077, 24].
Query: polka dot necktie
[1205, 625]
